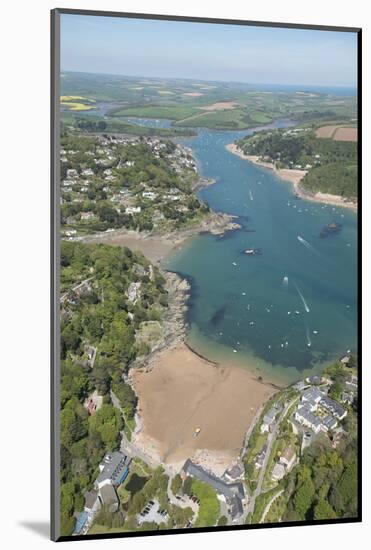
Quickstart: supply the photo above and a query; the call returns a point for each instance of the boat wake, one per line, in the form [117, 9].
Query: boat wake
[302, 299]
[306, 244]
[309, 341]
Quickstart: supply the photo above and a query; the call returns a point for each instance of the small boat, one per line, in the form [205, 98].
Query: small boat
[234, 263]
[252, 251]
[330, 229]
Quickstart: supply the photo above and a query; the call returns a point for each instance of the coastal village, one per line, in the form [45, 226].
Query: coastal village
[294, 419]
[119, 312]
[101, 190]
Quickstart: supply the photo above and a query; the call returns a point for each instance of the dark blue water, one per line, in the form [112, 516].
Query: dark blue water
[242, 308]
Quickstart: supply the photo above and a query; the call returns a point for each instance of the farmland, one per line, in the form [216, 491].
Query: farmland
[193, 104]
[338, 133]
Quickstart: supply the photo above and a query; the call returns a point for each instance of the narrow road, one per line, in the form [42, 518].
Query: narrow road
[268, 506]
[270, 441]
[126, 446]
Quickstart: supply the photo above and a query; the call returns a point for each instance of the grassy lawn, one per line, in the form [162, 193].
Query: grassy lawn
[209, 505]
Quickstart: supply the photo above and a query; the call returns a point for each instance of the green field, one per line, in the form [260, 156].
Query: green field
[77, 122]
[157, 111]
[173, 99]
[233, 119]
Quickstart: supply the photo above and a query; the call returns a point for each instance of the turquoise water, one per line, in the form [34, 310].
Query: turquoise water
[239, 306]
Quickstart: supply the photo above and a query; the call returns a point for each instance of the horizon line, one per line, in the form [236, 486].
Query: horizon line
[347, 86]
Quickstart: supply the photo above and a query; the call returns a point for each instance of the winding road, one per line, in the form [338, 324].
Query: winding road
[270, 441]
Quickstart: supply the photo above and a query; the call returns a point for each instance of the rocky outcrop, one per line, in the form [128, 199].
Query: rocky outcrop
[174, 325]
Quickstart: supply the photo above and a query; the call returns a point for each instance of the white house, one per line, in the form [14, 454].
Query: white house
[87, 172]
[288, 457]
[133, 210]
[149, 195]
[87, 215]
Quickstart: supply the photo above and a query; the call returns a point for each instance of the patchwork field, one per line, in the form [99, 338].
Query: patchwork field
[77, 103]
[338, 133]
[214, 105]
[220, 106]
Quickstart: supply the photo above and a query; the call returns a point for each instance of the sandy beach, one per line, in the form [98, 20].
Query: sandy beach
[183, 391]
[294, 177]
[153, 247]
[157, 246]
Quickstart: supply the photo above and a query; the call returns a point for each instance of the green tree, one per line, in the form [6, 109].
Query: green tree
[303, 498]
[323, 510]
[223, 520]
[176, 484]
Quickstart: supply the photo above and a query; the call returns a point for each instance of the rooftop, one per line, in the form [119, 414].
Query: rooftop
[333, 406]
[306, 413]
[113, 467]
[312, 394]
[229, 490]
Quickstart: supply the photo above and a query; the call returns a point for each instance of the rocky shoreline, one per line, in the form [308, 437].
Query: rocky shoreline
[174, 325]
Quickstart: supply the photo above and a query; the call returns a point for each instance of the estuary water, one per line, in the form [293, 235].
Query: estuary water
[287, 311]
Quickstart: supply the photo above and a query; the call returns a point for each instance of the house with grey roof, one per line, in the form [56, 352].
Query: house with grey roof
[92, 502]
[312, 395]
[268, 419]
[235, 472]
[232, 493]
[109, 498]
[113, 470]
[305, 417]
[287, 458]
[235, 507]
[329, 423]
[334, 407]
[259, 459]
[278, 472]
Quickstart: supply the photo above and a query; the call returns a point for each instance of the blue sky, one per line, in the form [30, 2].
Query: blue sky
[207, 51]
